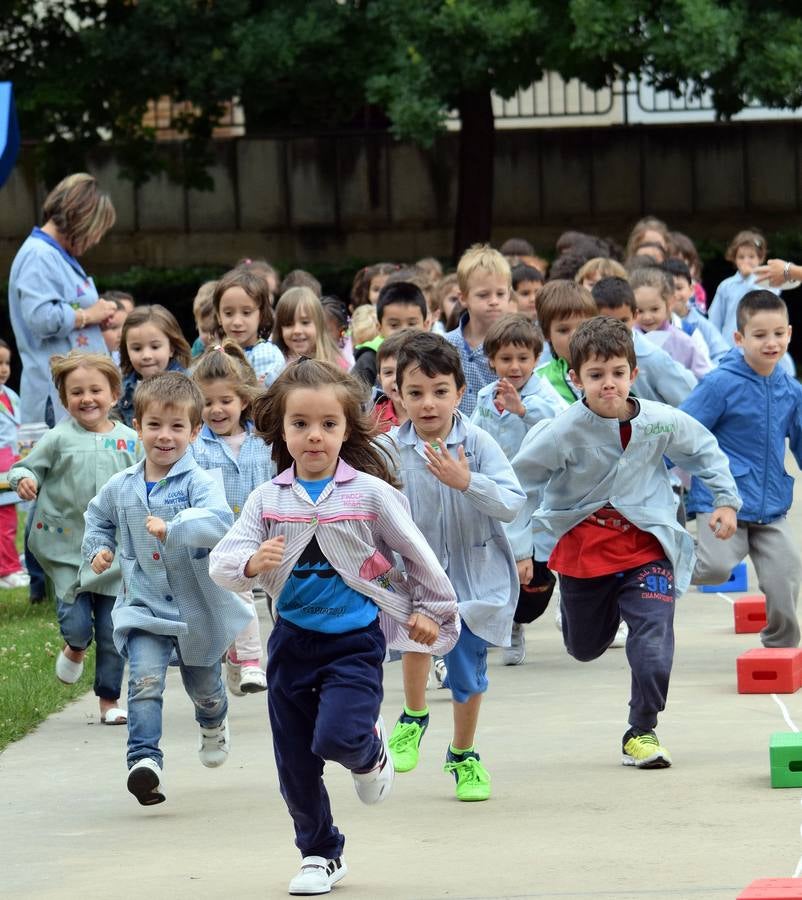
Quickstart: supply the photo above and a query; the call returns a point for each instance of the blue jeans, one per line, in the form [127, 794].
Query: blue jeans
[90, 616]
[148, 658]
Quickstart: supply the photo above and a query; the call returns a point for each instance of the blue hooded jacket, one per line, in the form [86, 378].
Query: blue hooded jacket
[751, 415]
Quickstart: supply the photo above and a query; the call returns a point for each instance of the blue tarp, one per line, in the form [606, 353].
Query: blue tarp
[9, 131]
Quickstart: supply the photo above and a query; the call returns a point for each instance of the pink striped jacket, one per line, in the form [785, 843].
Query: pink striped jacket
[359, 522]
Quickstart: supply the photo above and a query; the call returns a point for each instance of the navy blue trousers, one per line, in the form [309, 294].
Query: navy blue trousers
[644, 598]
[324, 697]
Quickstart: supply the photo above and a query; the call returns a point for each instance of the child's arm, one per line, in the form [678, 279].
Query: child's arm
[230, 558]
[207, 520]
[26, 477]
[497, 494]
[100, 531]
[545, 404]
[707, 402]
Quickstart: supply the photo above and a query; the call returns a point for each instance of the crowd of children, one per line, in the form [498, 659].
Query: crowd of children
[418, 470]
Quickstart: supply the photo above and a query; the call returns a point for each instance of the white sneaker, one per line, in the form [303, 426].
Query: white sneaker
[620, 639]
[145, 782]
[233, 676]
[440, 671]
[252, 680]
[515, 654]
[15, 580]
[214, 745]
[67, 670]
[375, 785]
[318, 875]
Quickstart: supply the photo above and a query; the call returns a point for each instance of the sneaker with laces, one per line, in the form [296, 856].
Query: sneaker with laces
[145, 782]
[440, 672]
[515, 654]
[473, 779]
[252, 680]
[375, 785]
[642, 750]
[405, 741]
[214, 745]
[318, 875]
[233, 676]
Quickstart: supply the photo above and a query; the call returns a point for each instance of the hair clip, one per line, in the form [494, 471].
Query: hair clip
[758, 243]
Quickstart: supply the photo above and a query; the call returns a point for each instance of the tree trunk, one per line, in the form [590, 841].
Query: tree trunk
[475, 174]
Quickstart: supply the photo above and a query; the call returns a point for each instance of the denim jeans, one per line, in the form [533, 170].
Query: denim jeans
[148, 658]
[90, 616]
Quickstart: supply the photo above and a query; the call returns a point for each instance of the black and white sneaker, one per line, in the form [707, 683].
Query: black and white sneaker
[318, 875]
[374, 785]
[144, 782]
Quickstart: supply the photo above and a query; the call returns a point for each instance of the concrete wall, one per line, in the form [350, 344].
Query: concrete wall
[332, 198]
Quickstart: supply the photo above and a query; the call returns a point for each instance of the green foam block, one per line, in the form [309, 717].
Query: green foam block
[785, 759]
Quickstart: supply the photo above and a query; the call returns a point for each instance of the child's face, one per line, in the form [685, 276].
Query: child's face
[430, 402]
[764, 340]
[89, 398]
[527, 292]
[561, 332]
[206, 328]
[387, 377]
[148, 349]
[397, 316]
[222, 406]
[165, 432]
[622, 313]
[450, 301]
[301, 336]
[683, 291]
[376, 284]
[515, 363]
[5, 365]
[747, 259]
[239, 317]
[606, 383]
[487, 298]
[652, 308]
[113, 332]
[314, 429]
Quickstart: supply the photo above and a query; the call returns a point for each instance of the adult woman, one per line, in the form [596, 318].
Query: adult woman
[53, 303]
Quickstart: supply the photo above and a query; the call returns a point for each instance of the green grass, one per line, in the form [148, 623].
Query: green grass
[29, 642]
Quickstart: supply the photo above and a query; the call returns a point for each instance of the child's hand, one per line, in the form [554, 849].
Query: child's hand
[27, 489]
[422, 629]
[723, 522]
[267, 557]
[156, 527]
[508, 398]
[456, 473]
[102, 561]
[526, 571]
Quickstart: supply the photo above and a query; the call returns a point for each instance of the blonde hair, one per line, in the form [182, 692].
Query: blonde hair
[80, 211]
[228, 362]
[602, 266]
[481, 258]
[166, 322]
[364, 324]
[63, 366]
[296, 301]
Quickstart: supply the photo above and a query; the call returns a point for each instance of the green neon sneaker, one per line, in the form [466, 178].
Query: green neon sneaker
[473, 779]
[405, 741]
[642, 750]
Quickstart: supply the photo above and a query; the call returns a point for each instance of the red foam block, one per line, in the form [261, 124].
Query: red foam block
[769, 670]
[773, 889]
[750, 613]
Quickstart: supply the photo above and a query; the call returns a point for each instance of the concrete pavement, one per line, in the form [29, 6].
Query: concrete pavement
[566, 820]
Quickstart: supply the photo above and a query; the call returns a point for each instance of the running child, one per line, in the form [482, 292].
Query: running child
[151, 342]
[388, 409]
[507, 409]
[598, 489]
[163, 515]
[460, 487]
[12, 575]
[63, 472]
[300, 328]
[245, 315]
[320, 538]
[527, 282]
[753, 407]
[227, 445]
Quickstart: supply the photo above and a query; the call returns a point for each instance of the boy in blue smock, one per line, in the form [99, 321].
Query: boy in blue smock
[599, 492]
[163, 515]
[460, 488]
[753, 406]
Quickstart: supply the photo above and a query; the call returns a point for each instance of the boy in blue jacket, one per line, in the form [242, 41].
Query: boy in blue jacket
[751, 405]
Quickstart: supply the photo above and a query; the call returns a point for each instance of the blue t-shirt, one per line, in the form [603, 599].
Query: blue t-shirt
[315, 596]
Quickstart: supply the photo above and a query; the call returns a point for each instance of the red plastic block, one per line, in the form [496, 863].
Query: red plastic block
[750, 614]
[775, 670]
[773, 889]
